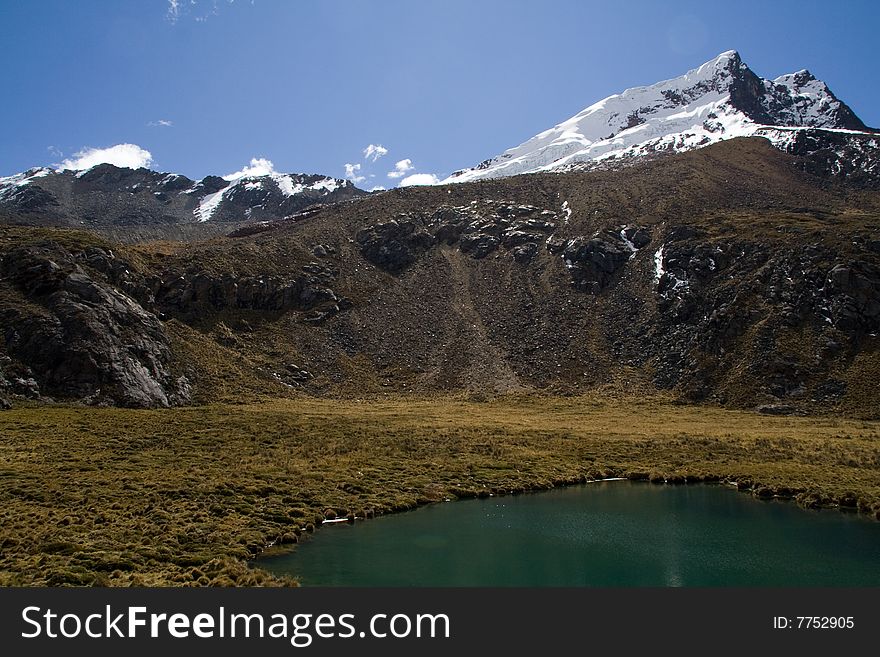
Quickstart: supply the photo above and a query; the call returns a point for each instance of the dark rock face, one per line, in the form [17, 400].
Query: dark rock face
[592, 262]
[832, 154]
[210, 185]
[781, 105]
[639, 237]
[394, 245]
[86, 340]
[190, 293]
[747, 92]
[853, 294]
[28, 198]
[109, 177]
[715, 298]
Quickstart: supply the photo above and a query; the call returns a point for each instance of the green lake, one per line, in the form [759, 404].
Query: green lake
[612, 533]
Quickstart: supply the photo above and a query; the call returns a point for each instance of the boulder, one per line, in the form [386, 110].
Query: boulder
[323, 250]
[639, 236]
[479, 245]
[524, 253]
[512, 238]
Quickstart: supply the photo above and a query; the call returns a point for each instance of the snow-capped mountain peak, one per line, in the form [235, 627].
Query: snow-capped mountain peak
[719, 100]
[259, 192]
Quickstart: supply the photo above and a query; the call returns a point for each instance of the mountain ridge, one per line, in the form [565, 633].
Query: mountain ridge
[107, 196]
[721, 99]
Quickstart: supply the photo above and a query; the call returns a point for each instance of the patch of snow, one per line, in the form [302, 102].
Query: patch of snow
[285, 184]
[658, 265]
[566, 212]
[327, 184]
[209, 204]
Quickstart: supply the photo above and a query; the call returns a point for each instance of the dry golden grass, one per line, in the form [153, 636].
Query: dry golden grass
[181, 496]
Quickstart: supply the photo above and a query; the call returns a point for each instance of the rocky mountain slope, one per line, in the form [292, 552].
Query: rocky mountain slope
[143, 203]
[735, 274]
[722, 99]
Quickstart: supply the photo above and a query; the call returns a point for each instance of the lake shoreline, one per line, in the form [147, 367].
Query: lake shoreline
[605, 533]
[806, 500]
[191, 496]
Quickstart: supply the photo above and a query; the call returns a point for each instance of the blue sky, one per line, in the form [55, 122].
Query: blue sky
[208, 86]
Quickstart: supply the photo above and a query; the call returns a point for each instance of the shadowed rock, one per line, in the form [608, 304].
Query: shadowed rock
[85, 339]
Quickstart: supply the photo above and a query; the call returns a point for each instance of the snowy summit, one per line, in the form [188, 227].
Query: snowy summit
[721, 99]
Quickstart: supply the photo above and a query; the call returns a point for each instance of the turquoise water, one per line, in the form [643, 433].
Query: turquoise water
[615, 533]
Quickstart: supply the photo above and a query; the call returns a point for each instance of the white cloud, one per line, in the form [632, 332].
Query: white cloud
[377, 188]
[54, 152]
[401, 168]
[351, 172]
[259, 166]
[374, 152]
[120, 155]
[420, 179]
[173, 10]
[161, 123]
[199, 10]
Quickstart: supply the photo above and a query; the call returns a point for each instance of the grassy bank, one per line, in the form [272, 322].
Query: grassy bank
[185, 496]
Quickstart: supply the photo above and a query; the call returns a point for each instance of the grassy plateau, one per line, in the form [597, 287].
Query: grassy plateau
[187, 496]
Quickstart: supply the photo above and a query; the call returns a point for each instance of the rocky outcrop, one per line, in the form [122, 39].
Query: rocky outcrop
[26, 199]
[394, 245]
[481, 229]
[478, 244]
[592, 262]
[855, 157]
[193, 291]
[82, 338]
[853, 294]
[719, 298]
[204, 290]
